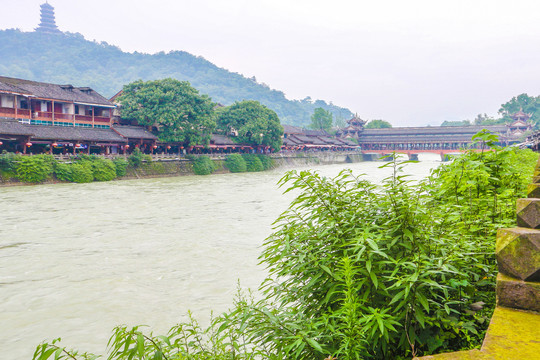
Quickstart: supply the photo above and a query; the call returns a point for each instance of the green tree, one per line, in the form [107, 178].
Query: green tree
[321, 119]
[177, 109]
[255, 123]
[456, 123]
[378, 124]
[528, 104]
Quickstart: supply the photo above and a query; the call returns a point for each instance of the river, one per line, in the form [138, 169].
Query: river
[78, 259]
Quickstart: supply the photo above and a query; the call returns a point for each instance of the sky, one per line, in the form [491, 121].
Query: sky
[412, 63]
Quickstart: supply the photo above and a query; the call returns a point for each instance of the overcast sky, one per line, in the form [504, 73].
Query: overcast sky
[413, 62]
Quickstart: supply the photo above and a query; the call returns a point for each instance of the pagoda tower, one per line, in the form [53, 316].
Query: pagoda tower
[48, 23]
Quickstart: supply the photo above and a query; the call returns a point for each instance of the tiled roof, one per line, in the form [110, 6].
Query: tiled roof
[289, 129]
[432, 130]
[13, 127]
[58, 133]
[52, 91]
[315, 132]
[221, 140]
[134, 132]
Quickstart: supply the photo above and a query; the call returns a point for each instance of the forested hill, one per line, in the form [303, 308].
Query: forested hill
[70, 59]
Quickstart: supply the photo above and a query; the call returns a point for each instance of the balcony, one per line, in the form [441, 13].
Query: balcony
[49, 116]
[100, 120]
[10, 112]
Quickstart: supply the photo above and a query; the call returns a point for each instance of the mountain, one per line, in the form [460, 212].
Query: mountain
[69, 58]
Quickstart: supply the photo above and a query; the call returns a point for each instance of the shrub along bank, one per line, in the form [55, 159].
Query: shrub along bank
[87, 168]
[363, 271]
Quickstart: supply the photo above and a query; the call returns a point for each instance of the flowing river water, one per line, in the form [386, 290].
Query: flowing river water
[78, 259]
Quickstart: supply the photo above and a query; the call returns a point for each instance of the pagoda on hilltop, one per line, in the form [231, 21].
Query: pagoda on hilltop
[48, 23]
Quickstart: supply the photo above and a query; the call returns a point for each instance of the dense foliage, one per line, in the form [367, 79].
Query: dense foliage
[266, 161]
[527, 104]
[70, 59]
[203, 165]
[254, 123]
[235, 163]
[253, 163]
[321, 120]
[364, 271]
[34, 169]
[177, 109]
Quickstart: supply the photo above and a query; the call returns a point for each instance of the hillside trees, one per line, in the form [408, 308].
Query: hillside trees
[176, 108]
[378, 124]
[528, 104]
[69, 58]
[254, 123]
[321, 119]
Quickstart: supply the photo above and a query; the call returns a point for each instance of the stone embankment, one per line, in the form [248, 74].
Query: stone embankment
[514, 330]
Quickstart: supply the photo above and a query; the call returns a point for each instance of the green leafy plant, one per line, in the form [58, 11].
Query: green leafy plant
[103, 169]
[35, 169]
[120, 165]
[266, 161]
[203, 165]
[364, 271]
[8, 162]
[253, 163]
[235, 163]
[63, 171]
[135, 159]
[82, 172]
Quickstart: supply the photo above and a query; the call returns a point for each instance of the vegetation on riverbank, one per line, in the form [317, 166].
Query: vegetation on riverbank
[363, 271]
[88, 168]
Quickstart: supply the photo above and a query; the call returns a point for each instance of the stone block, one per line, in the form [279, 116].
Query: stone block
[518, 253]
[533, 191]
[518, 294]
[528, 213]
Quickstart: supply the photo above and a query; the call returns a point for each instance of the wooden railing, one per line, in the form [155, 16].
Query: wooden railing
[10, 112]
[49, 116]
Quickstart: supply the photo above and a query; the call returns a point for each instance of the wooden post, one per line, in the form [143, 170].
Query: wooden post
[93, 111]
[52, 112]
[15, 105]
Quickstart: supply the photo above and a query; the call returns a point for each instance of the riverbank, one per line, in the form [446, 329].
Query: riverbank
[167, 166]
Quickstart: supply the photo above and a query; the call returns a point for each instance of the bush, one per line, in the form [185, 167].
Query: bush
[34, 169]
[103, 169]
[63, 171]
[136, 158]
[266, 161]
[235, 163]
[8, 162]
[82, 172]
[253, 163]
[203, 165]
[120, 166]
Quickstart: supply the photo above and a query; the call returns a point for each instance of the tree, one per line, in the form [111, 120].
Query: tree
[485, 119]
[255, 123]
[456, 123]
[321, 119]
[528, 104]
[378, 124]
[177, 109]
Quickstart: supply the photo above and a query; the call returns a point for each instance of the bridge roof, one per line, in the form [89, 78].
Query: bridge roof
[423, 134]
